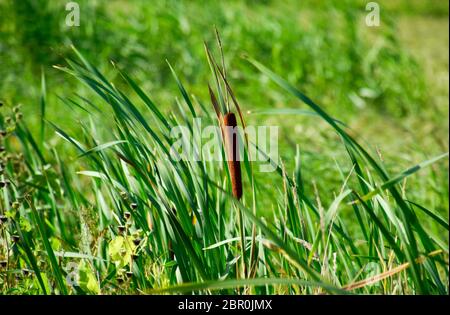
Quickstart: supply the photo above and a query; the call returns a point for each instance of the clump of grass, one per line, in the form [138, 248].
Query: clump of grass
[114, 208]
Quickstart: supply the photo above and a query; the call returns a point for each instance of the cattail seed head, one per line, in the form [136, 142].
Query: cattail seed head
[232, 150]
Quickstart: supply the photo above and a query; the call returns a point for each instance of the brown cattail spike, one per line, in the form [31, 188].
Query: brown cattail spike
[232, 150]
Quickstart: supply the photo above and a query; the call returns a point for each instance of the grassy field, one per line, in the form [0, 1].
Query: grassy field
[90, 203]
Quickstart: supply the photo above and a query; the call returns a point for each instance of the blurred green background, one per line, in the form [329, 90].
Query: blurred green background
[388, 83]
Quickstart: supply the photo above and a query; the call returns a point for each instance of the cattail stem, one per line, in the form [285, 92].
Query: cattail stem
[232, 150]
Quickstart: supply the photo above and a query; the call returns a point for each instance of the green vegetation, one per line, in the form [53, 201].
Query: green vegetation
[90, 203]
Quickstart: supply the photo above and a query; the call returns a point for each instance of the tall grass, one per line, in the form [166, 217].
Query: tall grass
[133, 220]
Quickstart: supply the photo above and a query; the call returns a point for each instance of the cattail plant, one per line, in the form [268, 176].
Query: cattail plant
[227, 120]
[228, 124]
